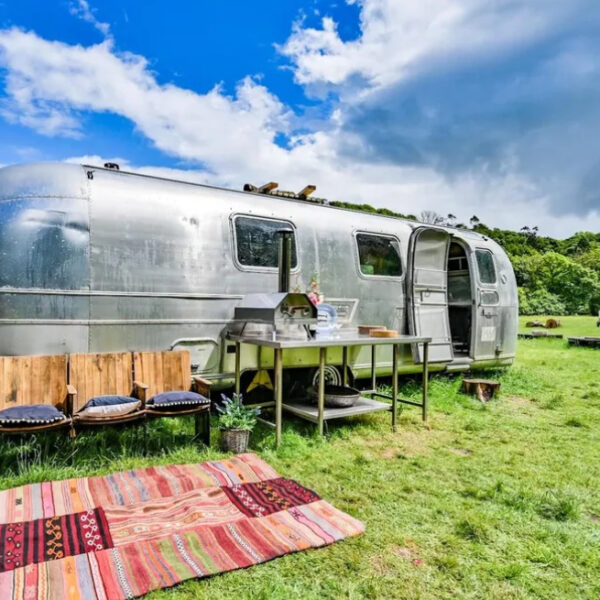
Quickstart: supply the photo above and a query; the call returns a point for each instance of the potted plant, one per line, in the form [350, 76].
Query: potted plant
[236, 421]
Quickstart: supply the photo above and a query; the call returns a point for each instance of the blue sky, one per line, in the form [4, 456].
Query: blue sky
[448, 105]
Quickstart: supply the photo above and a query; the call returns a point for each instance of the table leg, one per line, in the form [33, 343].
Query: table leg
[345, 366]
[425, 378]
[237, 367]
[373, 368]
[277, 392]
[322, 356]
[394, 385]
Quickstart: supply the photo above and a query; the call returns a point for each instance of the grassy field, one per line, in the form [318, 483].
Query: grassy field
[487, 501]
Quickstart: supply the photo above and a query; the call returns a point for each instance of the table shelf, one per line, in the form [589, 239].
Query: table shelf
[310, 412]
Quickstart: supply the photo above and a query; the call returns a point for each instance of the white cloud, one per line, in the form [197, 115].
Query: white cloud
[82, 10]
[402, 189]
[189, 175]
[489, 93]
[230, 140]
[400, 38]
[49, 85]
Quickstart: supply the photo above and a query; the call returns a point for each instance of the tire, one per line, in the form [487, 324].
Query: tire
[333, 376]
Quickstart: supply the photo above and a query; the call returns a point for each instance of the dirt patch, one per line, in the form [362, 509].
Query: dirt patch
[404, 552]
[383, 564]
[423, 442]
[595, 519]
[380, 567]
[520, 400]
[390, 453]
[405, 444]
[461, 451]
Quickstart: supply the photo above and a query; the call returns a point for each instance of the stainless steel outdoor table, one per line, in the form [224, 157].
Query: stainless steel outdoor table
[344, 341]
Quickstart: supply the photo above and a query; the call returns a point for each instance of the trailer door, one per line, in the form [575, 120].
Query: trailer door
[486, 322]
[427, 292]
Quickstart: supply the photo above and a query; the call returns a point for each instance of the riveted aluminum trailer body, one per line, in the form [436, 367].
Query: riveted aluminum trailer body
[95, 260]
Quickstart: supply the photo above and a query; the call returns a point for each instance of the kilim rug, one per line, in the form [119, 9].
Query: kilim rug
[123, 535]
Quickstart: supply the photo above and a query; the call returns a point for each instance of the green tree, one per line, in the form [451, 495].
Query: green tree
[574, 284]
[591, 259]
[540, 302]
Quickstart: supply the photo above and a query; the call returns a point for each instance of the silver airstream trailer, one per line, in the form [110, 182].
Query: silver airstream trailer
[94, 259]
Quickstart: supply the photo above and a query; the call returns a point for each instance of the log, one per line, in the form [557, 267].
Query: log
[539, 334]
[591, 342]
[483, 389]
[535, 324]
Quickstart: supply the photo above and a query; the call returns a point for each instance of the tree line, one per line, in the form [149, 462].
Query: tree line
[554, 276]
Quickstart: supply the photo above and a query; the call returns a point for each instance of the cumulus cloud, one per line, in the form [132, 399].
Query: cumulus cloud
[51, 84]
[469, 89]
[403, 38]
[429, 112]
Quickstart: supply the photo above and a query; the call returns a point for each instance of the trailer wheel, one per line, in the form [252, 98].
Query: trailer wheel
[333, 376]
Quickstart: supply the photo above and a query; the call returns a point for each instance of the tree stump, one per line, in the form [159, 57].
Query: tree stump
[483, 389]
[552, 323]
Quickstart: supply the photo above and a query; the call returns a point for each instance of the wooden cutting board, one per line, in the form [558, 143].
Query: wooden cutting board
[384, 333]
[366, 329]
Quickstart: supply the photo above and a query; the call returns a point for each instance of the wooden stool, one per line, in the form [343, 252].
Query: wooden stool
[483, 389]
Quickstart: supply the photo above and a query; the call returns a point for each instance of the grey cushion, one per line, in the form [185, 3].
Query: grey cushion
[108, 401]
[109, 410]
[33, 414]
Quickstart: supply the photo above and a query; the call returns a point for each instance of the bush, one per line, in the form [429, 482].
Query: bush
[540, 302]
[551, 276]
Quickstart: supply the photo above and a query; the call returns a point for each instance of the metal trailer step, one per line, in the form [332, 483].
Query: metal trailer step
[459, 364]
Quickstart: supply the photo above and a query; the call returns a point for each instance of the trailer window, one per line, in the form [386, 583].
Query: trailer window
[257, 243]
[379, 255]
[485, 264]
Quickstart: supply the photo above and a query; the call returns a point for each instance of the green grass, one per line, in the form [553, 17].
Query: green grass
[493, 501]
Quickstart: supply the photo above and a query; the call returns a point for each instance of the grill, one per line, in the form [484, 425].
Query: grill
[283, 314]
[280, 310]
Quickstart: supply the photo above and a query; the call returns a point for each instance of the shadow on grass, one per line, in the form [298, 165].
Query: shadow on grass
[54, 455]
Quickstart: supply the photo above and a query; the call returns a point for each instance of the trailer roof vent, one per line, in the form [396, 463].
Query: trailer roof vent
[270, 189]
[113, 166]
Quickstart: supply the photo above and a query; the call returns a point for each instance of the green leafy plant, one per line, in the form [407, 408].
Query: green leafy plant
[234, 415]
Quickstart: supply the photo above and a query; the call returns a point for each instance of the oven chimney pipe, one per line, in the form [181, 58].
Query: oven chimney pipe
[285, 258]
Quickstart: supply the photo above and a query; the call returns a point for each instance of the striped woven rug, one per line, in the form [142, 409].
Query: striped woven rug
[123, 535]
